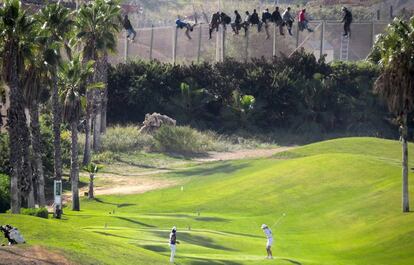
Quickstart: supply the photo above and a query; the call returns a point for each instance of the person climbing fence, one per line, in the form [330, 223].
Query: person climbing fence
[347, 20]
[254, 20]
[266, 19]
[246, 23]
[288, 20]
[303, 21]
[128, 27]
[214, 23]
[185, 25]
[237, 24]
[225, 20]
[277, 19]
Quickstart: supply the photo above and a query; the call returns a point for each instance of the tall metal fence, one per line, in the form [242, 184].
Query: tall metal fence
[169, 44]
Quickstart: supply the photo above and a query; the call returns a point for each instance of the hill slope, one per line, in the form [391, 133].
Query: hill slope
[341, 199]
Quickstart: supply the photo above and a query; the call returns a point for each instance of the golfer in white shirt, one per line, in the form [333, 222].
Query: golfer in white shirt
[269, 244]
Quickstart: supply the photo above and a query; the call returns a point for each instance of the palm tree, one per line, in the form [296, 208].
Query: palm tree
[97, 26]
[92, 169]
[56, 27]
[16, 27]
[72, 77]
[394, 51]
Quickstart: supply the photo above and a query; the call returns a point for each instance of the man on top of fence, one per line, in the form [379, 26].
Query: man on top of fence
[303, 21]
[277, 19]
[254, 20]
[225, 20]
[182, 24]
[288, 20]
[347, 19]
[237, 24]
[215, 22]
[266, 19]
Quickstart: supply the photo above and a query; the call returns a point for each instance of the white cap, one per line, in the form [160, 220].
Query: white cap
[174, 228]
[264, 226]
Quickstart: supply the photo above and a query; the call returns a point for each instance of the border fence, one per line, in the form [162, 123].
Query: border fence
[169, 44]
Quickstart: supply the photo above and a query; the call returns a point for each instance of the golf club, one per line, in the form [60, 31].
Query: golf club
[278, 220]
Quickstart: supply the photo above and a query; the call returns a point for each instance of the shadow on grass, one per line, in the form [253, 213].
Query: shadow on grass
[118, 205]
[201, 241]
[292, 261]
[113, 235]
[242, 234]
[213, 262]
[134, 221]
[226, 168]
[132, 163]
[155, 248]
[211, 219]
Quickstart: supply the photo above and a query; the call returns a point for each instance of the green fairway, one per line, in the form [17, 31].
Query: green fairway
[342, 200]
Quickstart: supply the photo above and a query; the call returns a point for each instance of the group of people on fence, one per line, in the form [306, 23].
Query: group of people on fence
[252, 20]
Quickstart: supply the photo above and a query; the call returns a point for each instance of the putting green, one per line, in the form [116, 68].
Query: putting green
[342, 200]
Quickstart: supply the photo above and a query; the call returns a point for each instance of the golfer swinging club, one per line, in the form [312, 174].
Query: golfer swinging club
[173, 242]
[269, 244]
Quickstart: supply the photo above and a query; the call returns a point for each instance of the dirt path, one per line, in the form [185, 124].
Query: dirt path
[12, 255]
[242, 154]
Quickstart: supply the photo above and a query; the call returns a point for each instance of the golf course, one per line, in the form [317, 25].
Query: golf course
[341, 199]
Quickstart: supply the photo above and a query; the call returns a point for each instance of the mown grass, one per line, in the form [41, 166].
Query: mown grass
[342, 200]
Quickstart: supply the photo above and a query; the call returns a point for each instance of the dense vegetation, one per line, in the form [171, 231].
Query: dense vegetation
[298, 94]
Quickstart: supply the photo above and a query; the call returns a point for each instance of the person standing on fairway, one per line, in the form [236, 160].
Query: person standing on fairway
[269, 244]
[173, 243]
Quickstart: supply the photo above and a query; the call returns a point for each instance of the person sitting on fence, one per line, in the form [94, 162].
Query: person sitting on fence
[128, 27]
[215, 22]
[246, 23]
[303, 21]
[254, 20]
[266, 19]
[288, 20]
[347, 19]
[184, 25]
[277, 19]
[225, 20]
[237, 24]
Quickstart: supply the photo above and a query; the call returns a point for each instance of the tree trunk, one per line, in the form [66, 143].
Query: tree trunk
[37, 155]
[74, 167]
[57, 121]
[97, 121]
[90, 191]
[88, 123]
[105, 93]
[404, 135]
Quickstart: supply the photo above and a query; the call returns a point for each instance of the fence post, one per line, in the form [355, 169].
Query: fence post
[322, 39]
[297, 35]
[218, 44]
[174, 55]
[152, 42]
[126, 47]
[223, 44]
[378, 15]
[372, 33]
[199, 44]
[391, 13]
[246, 52]
[274, 40]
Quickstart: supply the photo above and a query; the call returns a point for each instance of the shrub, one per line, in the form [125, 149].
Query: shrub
[126, 139]
[38, 212]
[183, 140]
[4, 193]
[106, 157]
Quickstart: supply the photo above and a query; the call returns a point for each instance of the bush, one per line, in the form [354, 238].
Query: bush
[38, 212]
[126, 139]
[4, 193]
[183, 140]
